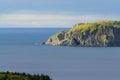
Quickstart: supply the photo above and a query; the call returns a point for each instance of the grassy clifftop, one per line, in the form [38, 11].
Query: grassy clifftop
[94, 26]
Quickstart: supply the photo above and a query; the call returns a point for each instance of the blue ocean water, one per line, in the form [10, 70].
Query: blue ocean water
[21, 51]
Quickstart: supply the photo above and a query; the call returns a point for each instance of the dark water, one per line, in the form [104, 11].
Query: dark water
[20, 51]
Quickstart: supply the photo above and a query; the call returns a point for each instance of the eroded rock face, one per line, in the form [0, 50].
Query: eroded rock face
[56, 39]
[103, 36]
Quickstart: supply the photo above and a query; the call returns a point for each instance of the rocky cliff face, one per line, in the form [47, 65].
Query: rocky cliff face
[98, 34]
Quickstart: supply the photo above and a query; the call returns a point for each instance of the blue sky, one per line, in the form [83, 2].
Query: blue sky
[56, 13]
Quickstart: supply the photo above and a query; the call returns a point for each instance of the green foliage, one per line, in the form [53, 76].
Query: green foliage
[94, 26]
[22, 76]
[55, 35]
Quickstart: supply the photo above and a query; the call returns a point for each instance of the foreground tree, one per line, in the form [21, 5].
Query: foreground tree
[22, 76]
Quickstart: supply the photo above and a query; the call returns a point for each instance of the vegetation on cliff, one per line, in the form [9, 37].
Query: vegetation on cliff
[22, 76]
[103, 33]
[94, 26]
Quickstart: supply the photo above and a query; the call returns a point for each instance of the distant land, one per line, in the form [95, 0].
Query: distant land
[97, 34]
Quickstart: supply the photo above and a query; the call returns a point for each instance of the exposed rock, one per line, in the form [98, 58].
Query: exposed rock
[98, 34]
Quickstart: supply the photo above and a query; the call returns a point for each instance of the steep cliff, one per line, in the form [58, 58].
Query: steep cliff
[104, 33]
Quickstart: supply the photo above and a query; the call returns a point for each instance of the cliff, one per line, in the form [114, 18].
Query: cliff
[97, 34]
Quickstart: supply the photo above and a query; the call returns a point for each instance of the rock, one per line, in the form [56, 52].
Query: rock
[97, 34]
[43, 43]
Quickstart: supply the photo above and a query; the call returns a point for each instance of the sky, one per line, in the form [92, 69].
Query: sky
[56, 13]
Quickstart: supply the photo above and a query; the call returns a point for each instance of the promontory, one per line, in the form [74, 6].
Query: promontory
[95, 34]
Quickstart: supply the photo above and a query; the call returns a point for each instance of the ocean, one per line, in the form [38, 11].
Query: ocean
[21, 51]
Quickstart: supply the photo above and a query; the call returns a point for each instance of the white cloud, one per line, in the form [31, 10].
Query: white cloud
[45, 20]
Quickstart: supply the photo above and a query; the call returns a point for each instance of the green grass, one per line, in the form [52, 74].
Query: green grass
[55, 35]
[94, 26]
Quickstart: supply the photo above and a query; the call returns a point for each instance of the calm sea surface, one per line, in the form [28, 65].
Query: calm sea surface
[20, 51]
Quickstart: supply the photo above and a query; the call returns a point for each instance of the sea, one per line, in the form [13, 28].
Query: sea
[21, 51]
